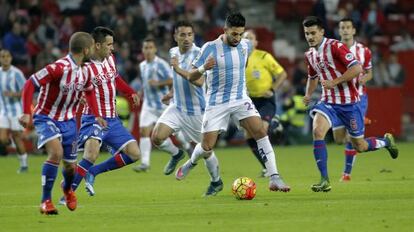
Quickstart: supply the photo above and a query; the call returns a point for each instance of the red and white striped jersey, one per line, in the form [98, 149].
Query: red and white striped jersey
[103, 74]
[328, 62]
[61, 85]
[363, 55]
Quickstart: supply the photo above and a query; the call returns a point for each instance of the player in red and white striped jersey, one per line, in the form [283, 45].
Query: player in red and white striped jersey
[61, 85]
[331, 63]
[106, 82]
[363, 54]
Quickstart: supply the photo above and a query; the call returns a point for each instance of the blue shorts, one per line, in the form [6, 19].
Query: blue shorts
[364, 103]
[349, 116]
[48, 129]
[266, 107]
[115, 136]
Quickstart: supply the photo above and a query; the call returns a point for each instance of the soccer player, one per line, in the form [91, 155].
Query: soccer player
[156, 79]
[61, 85]
[185, 114]
[264, 75]
[11, 85]
[363, 55]
[106, 81]
[224, 63]
[331, 63]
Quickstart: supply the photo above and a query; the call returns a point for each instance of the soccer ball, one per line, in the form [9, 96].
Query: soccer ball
[244, 188]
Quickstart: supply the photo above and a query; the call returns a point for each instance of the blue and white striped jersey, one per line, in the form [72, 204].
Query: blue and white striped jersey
[11, 80]
[158, 70]
[226, 82]
[188, 98]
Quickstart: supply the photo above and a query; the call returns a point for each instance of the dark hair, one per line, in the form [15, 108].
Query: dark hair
[235, 19]
[79, 41]
[312, 21]
[183, 24]
[347, 19]
[149, 39]
[99, 34]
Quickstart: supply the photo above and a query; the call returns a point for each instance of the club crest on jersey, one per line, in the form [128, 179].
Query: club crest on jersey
[349, 56]
[353, 123]
[323, 65]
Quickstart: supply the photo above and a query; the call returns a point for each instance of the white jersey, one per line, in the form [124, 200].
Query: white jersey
[188, 98]
[11, 80]
[158, 70]
[226, 82]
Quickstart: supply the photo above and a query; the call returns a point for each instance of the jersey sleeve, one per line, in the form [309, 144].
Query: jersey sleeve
[49, 73]
[20, 80]
[343, 54]
[87, 73]
[367, 65]
[272, 65]
[312, 74]
[201, 58]
[164, 70]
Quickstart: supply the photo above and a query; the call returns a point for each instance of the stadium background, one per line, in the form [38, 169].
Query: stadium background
[37, 33]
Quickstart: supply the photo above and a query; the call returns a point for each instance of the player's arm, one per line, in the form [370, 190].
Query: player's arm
[185, 74]
[367, 77]
[197, 73]
[350, 74]
[311, 84]
[367, 66]
[166, 98]
[124, 88]
[27, 97]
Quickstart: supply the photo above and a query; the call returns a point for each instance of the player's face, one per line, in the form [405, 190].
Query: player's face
[313, 35]
[88, 52]
[252, 37]
[184, 36]
[105, 49]
[234, 35]
[5, 58]
[346, 30]
[149, 49]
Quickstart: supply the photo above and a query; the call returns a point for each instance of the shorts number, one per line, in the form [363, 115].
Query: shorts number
[249, 105]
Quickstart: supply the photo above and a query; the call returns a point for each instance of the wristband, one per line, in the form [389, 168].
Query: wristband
[201, 69]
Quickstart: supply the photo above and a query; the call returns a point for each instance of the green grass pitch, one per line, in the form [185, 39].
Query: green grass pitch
[380, 196]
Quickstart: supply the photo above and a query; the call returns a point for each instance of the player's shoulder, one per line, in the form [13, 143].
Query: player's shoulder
[362, 46]
[16, 69]
[174, 50]
[160, 60]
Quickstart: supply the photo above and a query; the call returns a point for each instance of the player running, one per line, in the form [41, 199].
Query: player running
[224, 63]
[61, 86]
[331, 63]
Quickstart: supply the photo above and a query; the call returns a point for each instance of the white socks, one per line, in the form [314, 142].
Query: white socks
[199, 153]
[23, 160]
[145, 146]
[266, 151]
[212, 167]
[180, 137]
[169, 147]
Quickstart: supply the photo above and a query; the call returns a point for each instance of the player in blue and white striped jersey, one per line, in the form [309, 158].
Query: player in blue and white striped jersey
[224, 62]
[185, 113]
[11, 84]
[156, 78]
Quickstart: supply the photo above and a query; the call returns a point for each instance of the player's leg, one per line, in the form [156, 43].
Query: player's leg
[4, 130]
[21, 150]
[320, 128]
[341, 137]
[254, 125]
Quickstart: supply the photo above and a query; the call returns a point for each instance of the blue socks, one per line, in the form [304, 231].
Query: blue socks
[49, 172]
[83, 167]
[350, 153]
[321, 157]
[117, 161]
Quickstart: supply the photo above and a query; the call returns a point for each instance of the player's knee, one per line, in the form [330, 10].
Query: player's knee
[207, 147]
[339, 141]
[318, 133]
[360, 146]
[156, 139]
[69, 167]
[133, 151]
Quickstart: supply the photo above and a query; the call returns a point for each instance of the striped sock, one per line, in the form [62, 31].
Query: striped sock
[321, 157]
[81, 170]
[49, 173]
[376, 143]
[350, 155]
[117, 161]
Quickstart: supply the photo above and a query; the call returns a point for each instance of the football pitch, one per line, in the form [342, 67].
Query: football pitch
[380, 196]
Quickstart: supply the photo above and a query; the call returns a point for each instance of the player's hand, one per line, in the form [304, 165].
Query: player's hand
[328, 84]
[174, 62]
[210, 63]
[306, 100]
[101, 122]
[268, 94]
[362, 81]
[135, 99]
[166, 99]
[82, 100]
[153, 83]
[24, 120]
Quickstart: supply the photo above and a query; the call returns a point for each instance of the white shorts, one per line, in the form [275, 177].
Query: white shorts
[10, 122]
[190, 126]
[149, 116]
[217, 118]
